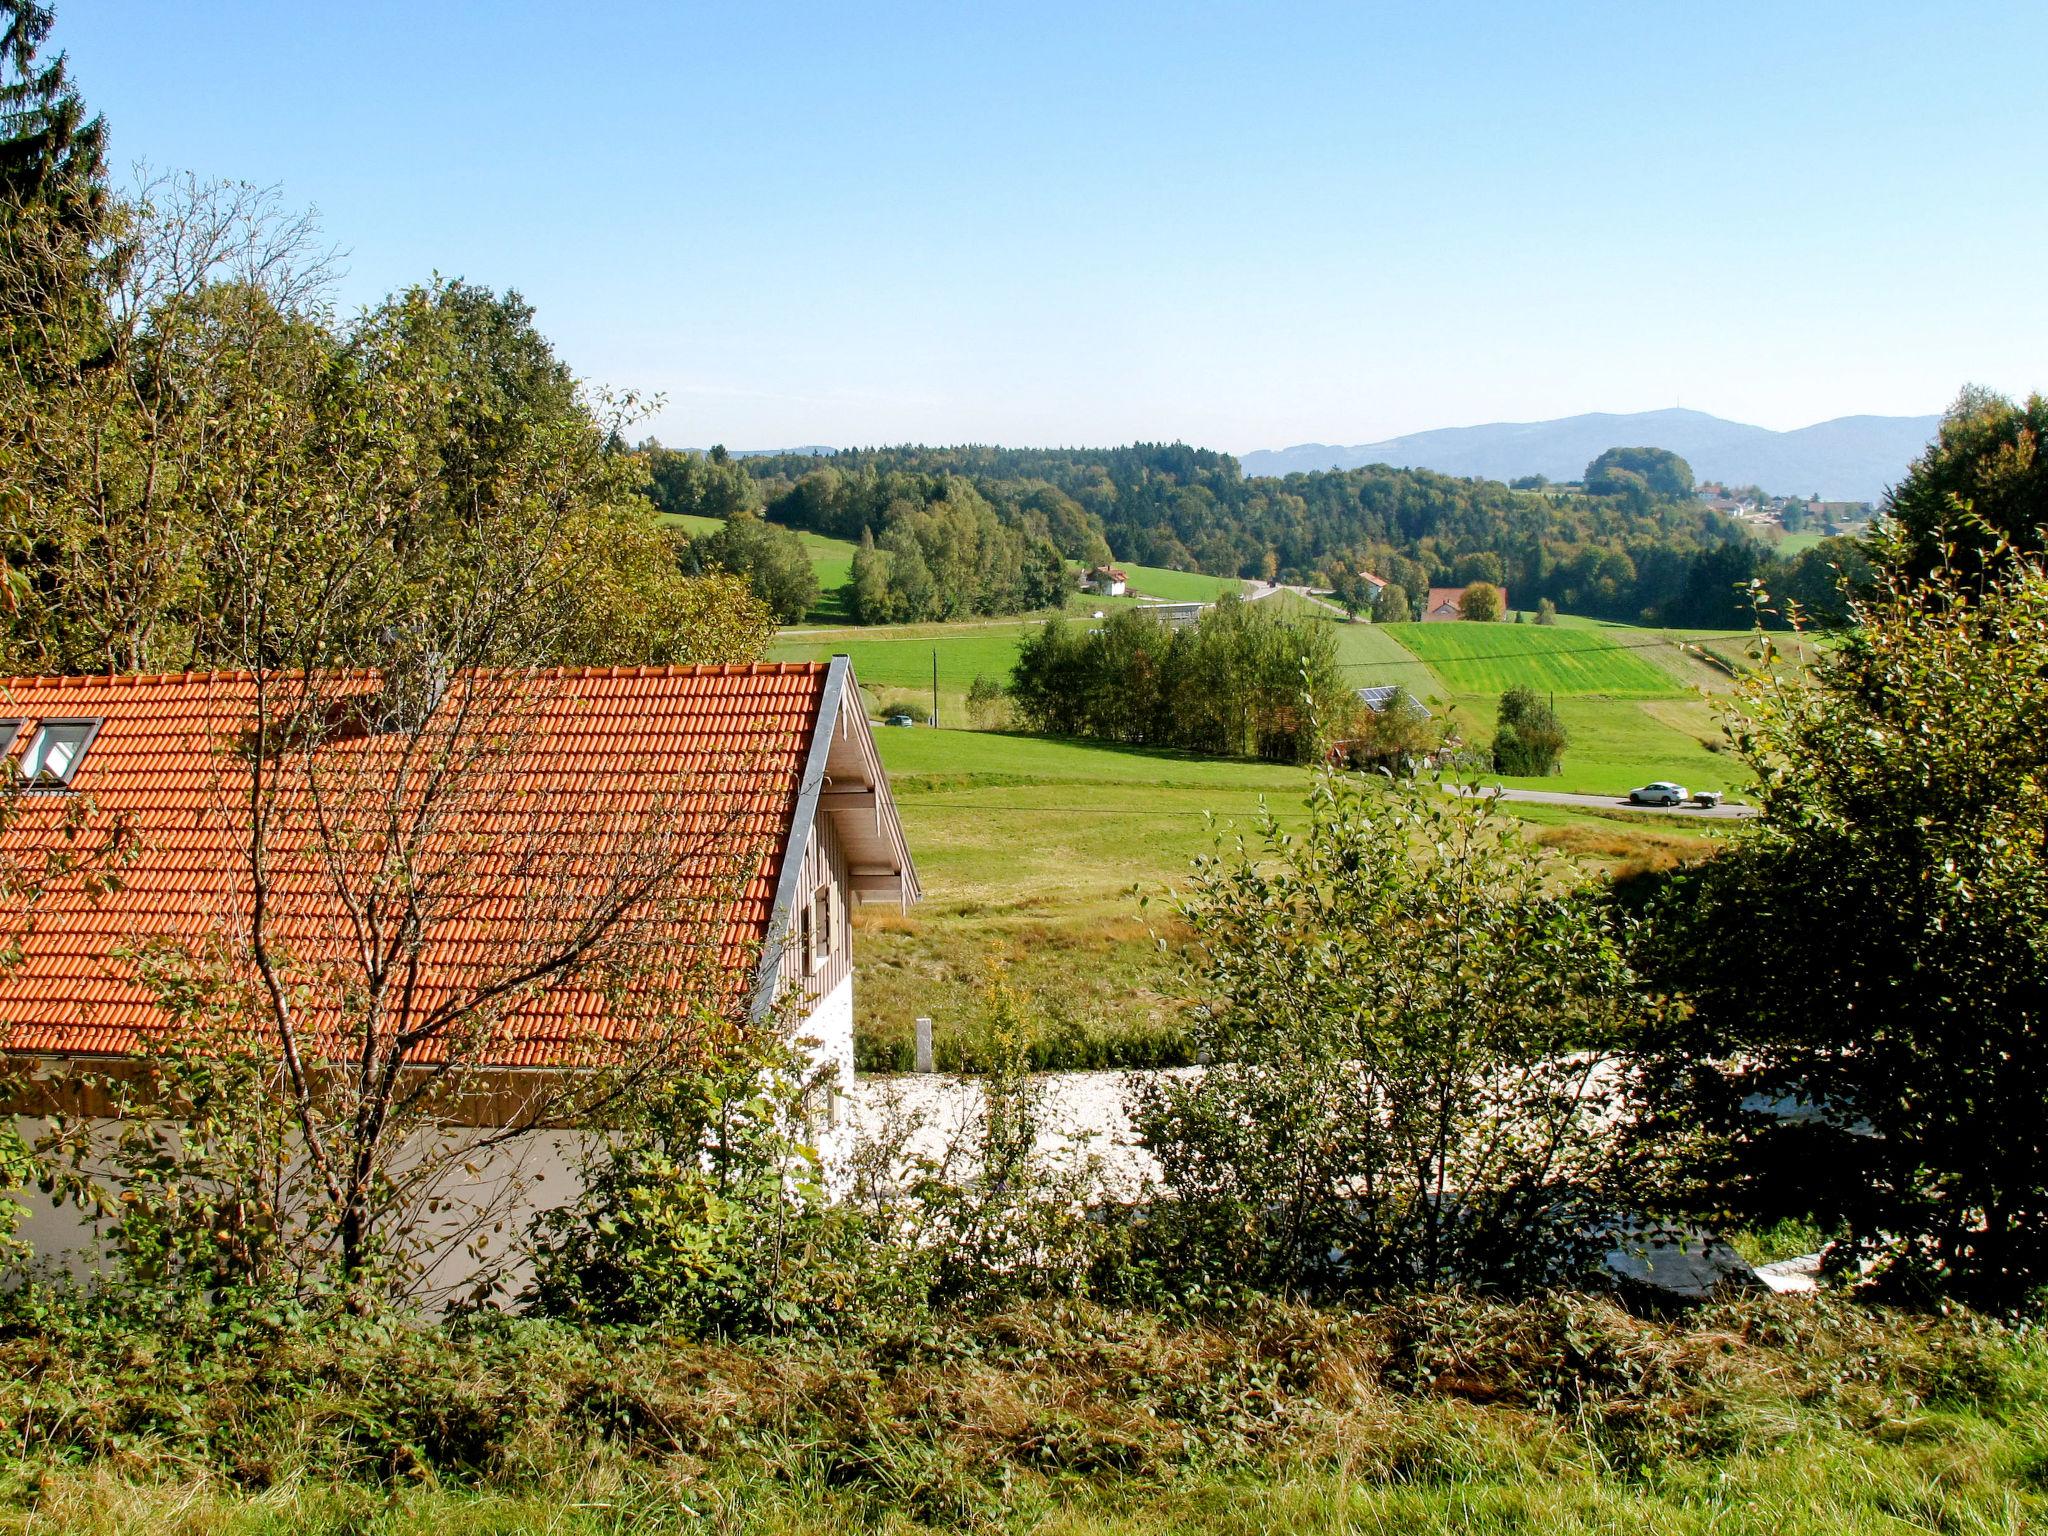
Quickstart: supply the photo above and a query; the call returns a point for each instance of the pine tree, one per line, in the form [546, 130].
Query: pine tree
[49, 152]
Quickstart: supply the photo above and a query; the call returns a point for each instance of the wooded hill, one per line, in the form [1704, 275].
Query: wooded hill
[1664, 560]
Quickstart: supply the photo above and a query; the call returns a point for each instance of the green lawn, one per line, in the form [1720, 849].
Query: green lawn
[895, 661]
[1488, 658]
[1032, 851]
[1178, 586]
[1616, 744]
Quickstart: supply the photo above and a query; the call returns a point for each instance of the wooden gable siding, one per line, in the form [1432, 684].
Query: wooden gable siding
[825, 863]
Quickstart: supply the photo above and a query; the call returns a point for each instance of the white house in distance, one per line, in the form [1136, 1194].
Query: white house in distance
[776, 758]
[1107, 581]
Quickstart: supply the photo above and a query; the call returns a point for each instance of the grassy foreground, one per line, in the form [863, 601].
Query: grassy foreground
[1560, 1415]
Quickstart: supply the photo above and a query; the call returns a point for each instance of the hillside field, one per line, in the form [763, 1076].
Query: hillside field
[895, 661]
[1487, 658]
[832, 559]
[1177, 586]
[1033, 852]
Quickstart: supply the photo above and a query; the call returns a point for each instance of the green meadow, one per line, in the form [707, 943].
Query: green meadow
[1177, 586]
[1034, 852]
[895, 661]
[1489, 658]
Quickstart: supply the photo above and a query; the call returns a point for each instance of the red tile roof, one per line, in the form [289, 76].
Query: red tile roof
[1451, 596]
[554, 802]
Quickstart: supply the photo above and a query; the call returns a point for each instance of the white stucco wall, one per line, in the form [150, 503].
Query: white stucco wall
[471, 1238]
[487, 1212]
[1084, 1121]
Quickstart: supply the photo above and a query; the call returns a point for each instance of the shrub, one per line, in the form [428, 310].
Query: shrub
[987, 705]
[920, 712]
[1872, 948]
[1406, 1026]
[1530, 740]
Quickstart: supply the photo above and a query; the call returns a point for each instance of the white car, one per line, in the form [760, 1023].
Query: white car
[1659, 793]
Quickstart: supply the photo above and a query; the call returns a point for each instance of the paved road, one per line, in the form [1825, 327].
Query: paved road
[1688, 812]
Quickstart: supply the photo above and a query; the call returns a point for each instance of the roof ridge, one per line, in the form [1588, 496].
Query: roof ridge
[84, 680]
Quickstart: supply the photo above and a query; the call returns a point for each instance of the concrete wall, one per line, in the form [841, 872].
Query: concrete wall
[486, 1213]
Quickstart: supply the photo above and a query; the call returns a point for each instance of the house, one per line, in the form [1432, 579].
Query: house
[773, 762]
[1381, 699]
[1443, 604]
[1107, 581]
[1173, 615]
[1375, 584]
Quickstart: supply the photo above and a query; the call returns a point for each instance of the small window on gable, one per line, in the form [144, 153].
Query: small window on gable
[821, 926]
[54, 752]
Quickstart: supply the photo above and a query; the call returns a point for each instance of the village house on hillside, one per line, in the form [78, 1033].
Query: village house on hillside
[769, 770]
[1107, 581]
[1445, 604]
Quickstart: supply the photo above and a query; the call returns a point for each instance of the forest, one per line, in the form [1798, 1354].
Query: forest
[1638, 554]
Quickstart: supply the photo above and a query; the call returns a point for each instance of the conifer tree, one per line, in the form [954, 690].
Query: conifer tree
[50, 152]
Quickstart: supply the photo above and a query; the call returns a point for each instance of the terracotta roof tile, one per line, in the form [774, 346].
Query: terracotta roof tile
[595, 748]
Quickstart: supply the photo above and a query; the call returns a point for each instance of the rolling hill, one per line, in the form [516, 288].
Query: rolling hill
[1852, 458]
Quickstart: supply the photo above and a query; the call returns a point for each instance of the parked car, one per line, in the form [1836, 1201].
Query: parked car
[900, 717]
[1660, 793]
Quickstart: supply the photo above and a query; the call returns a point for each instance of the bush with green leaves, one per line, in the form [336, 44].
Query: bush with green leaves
[1865, 963]
[1412, 1022]
[1529, 740]
[705, 1208]
[987, 703]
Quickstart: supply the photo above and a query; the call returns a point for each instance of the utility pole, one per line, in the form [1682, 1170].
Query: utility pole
[935, 687]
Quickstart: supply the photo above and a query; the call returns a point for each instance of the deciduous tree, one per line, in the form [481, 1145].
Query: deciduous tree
[1866, 962]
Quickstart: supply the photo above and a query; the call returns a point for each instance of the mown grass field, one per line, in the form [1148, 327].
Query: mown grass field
[895, 662]
[1489, 658]
[1178, 586]
[1033, 852]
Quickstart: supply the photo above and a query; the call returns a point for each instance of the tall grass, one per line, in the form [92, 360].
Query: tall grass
[1564, 1414]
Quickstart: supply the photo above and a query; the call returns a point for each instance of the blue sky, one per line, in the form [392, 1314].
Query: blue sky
[1241, 225]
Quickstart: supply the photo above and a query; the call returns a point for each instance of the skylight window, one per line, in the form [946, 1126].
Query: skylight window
[9, 729]
[54, 752]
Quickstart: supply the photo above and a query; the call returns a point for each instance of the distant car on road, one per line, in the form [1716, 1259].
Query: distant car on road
[900, 717]
[1660, 793]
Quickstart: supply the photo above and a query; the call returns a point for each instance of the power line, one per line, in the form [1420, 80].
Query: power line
[1654, 643]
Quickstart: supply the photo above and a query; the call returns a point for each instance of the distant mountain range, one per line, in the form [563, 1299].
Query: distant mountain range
[1852, 458]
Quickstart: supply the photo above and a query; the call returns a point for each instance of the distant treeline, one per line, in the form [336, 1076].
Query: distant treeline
[1633, 555]
[933, 546]
[1242, 683]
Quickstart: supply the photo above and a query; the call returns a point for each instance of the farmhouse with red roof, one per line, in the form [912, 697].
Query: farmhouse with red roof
[772, 764]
